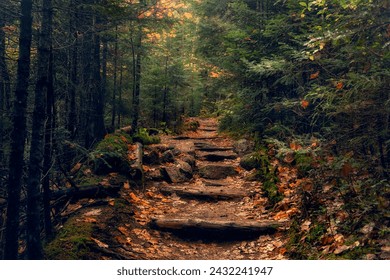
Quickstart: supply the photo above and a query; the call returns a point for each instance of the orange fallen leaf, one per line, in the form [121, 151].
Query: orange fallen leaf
[111, 202]
[126, 185]
[134, 197]
[315, 75]
[339, 85]
[304, 104]
[99, 243]
[124, 231]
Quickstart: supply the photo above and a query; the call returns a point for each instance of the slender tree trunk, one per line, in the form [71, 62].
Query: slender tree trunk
[34, 245]
[48, 153]
[120, 95]
[4, 87]
[165, 94]
[113, 116]
[137, 55]
[73, 80]
[18, 134]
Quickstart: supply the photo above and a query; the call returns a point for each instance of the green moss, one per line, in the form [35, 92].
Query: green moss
[143, 137]
[303, 161]
[110, 155]
[71, 243]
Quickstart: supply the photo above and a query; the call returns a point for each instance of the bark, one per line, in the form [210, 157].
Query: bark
[217, 226]
[137, 56]
[5, 88]
[34, 245]
[18, 134]
[114, 91]
[48, 149]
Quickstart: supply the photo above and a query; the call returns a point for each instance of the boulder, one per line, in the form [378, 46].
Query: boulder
[167, 156]
[151, 157]
[216, 172]
[243, 147]
[250, 161]
[179, 173]
[188, 159]
[107, 163]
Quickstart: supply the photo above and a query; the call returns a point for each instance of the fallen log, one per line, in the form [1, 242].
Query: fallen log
[216, 193]
[221, 227]
[92, 191]
[137, 171]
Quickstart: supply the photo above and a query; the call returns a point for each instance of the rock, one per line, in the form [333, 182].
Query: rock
[179, 173]
[243, 147]
[188, 159]
[154, 175]
[167, 156]
[185, 168]
[250, 161]
[216, 172]
[109, 163]
[151, 157]
[217, 156]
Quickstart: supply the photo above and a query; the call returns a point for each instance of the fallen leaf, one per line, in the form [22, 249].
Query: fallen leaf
[315, 75]
[94, 212]
[305, 104]
[124, 230]
[134, 197]
[99, 243]
[126, 185]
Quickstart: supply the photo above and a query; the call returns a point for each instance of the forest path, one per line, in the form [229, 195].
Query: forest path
[218, 214]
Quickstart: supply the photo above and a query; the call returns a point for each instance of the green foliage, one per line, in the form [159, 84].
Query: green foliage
[110, 154]
[71, 243]
[144, 138]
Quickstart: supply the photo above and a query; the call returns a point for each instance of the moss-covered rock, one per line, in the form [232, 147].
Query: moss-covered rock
[110, 155]
[72, 242]
[250, 161]
[143, 137]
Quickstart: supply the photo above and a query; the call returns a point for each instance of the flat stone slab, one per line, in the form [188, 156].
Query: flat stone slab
[216, 172]
[216, 156]
[217, 193]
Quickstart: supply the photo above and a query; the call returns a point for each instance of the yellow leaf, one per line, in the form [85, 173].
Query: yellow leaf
[312, 58]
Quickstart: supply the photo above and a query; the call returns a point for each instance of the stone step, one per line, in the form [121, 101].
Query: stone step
[216, 156]
[217, 171]
[203, 193]
[215, 228]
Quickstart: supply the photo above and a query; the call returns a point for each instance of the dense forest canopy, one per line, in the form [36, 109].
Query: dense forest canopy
[309, 77]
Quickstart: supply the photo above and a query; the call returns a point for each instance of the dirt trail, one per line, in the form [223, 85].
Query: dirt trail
[220, 212]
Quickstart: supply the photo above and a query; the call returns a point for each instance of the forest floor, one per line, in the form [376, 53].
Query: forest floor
[199, 203]
[120, 228]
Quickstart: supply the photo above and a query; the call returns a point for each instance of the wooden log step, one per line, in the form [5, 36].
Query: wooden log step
[207, 147]
[223, 227]
[215, 183]
[216, 156]
[217, 193]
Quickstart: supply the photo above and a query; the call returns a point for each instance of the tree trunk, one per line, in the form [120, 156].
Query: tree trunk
[113, 116]
[34, 245]
[48, 149]
[4, 87]
[18, 134]
[120, 96]
[137, 54]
